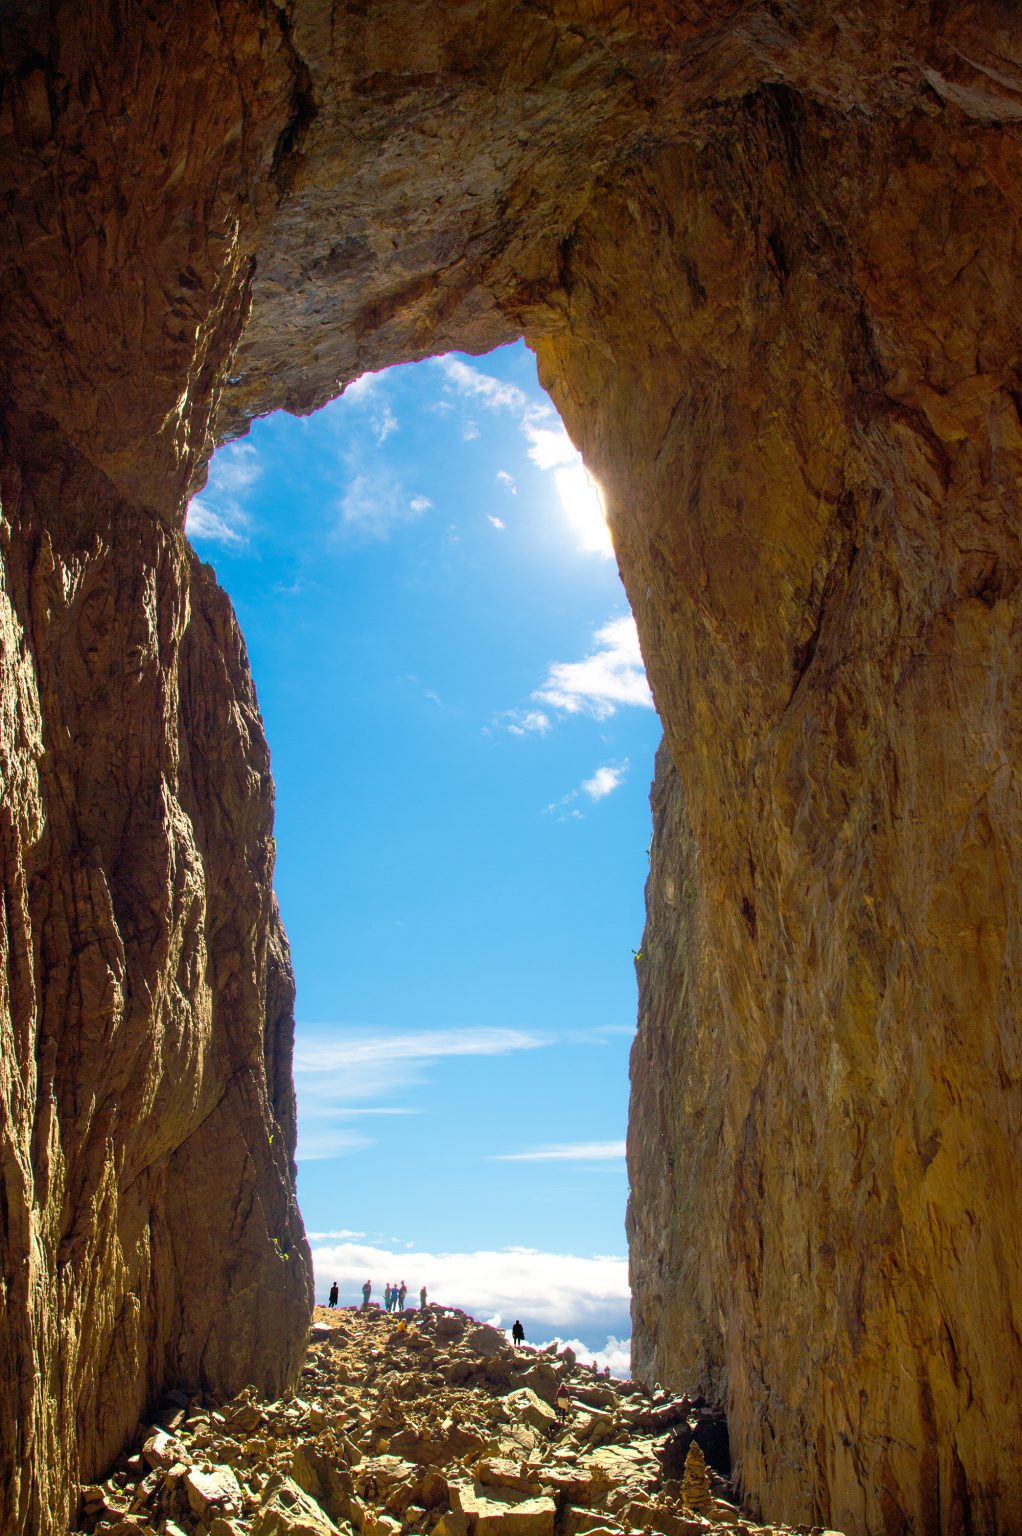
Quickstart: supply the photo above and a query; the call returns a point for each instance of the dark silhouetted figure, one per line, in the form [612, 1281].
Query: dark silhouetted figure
[334, 1293]
[367, 1291]
[518, 1333]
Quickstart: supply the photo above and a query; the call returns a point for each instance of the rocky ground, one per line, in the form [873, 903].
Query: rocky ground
[425, 1423]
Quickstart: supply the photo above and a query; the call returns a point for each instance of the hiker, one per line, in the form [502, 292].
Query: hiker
[367, 1291]
[518, 1333]
[606, 1373]
[334, 1293]
[393, 1298]
[387, 1297]
[402, 1293]
[562, 1400]
[422, 1298]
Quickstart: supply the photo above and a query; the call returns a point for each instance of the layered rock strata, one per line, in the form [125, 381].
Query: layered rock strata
[767, 255]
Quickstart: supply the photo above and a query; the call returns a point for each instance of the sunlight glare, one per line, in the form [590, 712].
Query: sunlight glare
[581, 499]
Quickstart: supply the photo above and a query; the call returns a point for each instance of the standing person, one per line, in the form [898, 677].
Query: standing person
[422, 1298]
[334, 1293]
[518, 1333]
[386, 1297]
[367, 1291]
[562, 1400]
[402, 1293]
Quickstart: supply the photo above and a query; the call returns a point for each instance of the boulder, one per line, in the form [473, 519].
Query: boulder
[499, 1472]
[530, 1409]
[163, 1450]
[542, 1378]
[212, 1492]
[485, 1341]
[287, 1510]
[490, 1513]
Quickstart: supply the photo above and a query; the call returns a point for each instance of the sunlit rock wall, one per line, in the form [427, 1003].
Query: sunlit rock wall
[767, 255]
[805, 418]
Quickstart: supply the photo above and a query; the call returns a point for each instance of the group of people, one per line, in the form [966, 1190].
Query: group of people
[393, 1296]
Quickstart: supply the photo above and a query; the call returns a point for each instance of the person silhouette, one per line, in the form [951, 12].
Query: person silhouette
[518, 1333]
[334, 1293]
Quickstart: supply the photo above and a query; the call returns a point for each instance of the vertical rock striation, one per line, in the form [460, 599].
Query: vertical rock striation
[768, 256]
[812, 456]
[150, 1230]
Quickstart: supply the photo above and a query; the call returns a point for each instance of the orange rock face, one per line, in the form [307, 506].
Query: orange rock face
[768, 257]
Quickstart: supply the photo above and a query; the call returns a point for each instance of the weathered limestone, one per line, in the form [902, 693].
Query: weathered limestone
[767, 254]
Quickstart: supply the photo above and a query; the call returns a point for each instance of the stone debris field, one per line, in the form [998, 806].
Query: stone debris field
[428, 1422]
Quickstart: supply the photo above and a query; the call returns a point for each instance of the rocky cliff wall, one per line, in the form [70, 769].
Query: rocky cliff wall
[767, 255]
[149, 1230]
[812, 459]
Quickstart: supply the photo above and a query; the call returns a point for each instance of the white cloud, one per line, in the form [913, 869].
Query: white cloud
[617, 1353]
[524, 722]
[604, 781]
[469, 432]
[581, 1298]
[218, 514]
[384, 422]
[498, 522]
[508, 481]
[549, 447]
[365, 393]
[364, 385]
[341, 1232]
[218, 524]
[568, 1152]
[375, 501]
[610, 676]
[337, 1069]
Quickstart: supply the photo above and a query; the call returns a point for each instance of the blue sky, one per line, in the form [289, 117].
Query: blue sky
[462, 743]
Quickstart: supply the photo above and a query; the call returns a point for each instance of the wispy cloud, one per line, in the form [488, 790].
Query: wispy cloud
[548, 446]
[218, 514]
[368, 393]
[611, 675]
[584, 1299]
[567, 1152]
[375, 500]
[524, 722]
[498, 522]
[507, 481]
[337, 1069]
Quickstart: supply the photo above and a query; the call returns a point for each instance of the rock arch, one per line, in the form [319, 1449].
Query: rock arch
[767, 254]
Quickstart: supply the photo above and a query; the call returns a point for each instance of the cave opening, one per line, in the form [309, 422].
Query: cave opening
[462, 739]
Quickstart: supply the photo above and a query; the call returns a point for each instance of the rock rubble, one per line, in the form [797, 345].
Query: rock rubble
[425, 1423]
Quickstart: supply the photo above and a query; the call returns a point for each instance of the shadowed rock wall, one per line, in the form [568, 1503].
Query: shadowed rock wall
[767, 255]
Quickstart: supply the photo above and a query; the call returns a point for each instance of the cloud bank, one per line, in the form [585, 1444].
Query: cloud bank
[582, 1299]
